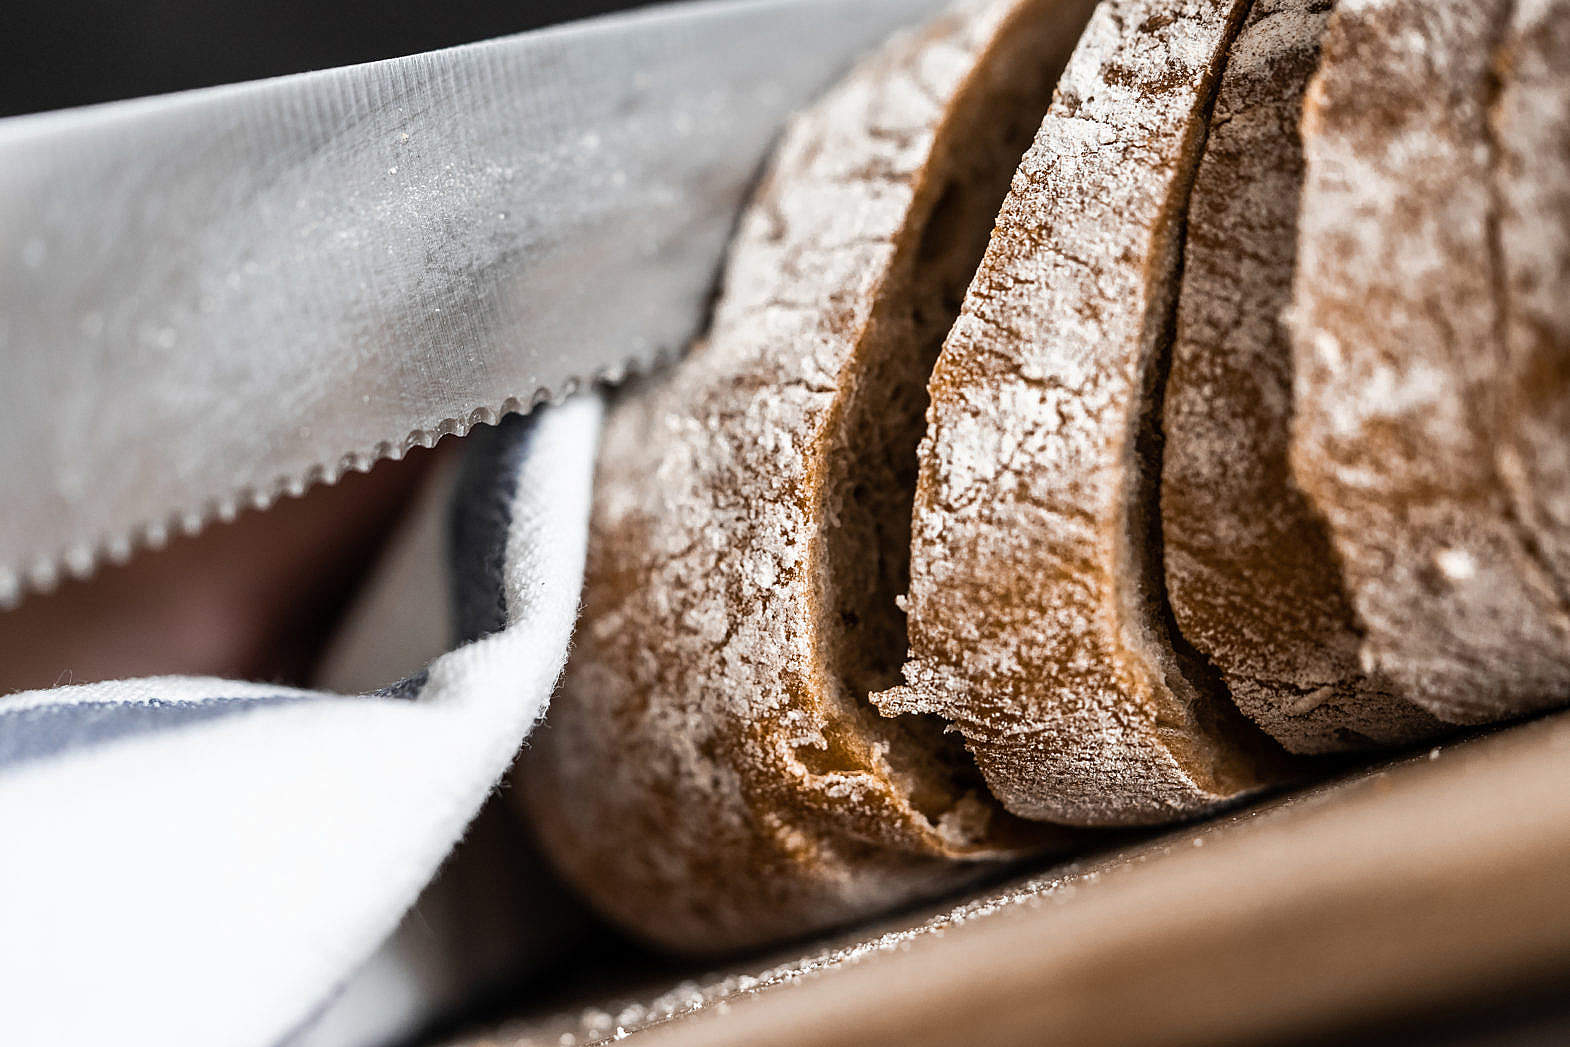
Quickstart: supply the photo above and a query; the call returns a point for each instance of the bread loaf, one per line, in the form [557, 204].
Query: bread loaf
[1038, 622]
[712, 773]
[1250, 571]
[1142, 500]
[1402, 359]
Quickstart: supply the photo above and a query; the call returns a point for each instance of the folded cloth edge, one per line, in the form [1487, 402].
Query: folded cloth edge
[211, 871]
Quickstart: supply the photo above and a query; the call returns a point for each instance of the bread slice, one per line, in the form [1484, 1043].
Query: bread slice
[1250, 571]
[1530, 133]
[1037, 611]
[711, 775]
[1401, 357]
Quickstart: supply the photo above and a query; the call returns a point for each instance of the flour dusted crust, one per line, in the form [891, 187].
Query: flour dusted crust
[712, 775]
[1036, 605]
[1251, 575]
[1361, 519]
[1530, 132]
[1400, 345]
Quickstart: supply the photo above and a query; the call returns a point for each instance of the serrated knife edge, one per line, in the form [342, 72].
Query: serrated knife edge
[218, 297]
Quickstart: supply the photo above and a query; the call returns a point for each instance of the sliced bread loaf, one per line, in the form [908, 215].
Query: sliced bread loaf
[1038, 619]
[712, 774]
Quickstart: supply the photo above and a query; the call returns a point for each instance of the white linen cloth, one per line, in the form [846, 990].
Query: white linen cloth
[201, 861]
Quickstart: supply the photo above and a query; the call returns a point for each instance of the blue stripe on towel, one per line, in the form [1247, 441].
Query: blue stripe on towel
[40, 731]
[479, 520]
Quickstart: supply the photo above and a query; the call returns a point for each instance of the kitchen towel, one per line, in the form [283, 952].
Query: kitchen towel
[188, 860]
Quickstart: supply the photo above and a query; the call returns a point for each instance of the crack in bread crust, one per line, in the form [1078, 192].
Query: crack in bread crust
[1037, 621]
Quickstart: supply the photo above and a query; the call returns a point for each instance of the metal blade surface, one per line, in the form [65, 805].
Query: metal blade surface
[213, 298]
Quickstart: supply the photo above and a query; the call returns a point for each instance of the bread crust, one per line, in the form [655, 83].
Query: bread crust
[710, 776]
[1400, 353]
[1037, 618]
[1529, 124]
[1251, 575]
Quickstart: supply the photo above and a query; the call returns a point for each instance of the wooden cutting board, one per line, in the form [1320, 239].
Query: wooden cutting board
[1435, 879]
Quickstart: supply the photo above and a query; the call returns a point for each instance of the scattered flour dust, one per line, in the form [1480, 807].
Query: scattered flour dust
[618, 1020]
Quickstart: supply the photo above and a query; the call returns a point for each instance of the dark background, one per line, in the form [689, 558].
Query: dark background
[58, 53]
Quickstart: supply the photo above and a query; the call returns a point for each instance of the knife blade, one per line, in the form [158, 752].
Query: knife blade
[215, 298]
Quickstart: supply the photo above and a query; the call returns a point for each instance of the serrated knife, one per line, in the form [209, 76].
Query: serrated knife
[213, 298]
